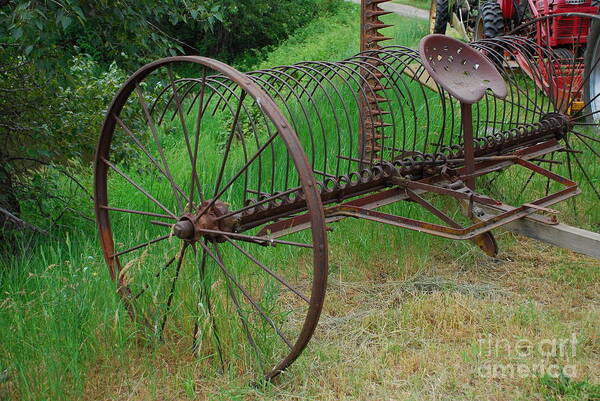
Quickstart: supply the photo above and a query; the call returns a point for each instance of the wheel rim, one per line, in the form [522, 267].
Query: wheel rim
[478, 32]
[219, 285]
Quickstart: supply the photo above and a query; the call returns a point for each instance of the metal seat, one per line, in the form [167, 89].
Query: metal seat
[461, 70]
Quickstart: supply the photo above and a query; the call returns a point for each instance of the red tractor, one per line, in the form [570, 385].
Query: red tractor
[570, 40]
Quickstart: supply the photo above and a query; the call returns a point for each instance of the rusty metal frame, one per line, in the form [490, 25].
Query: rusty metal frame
[403, 189]
[571, 189]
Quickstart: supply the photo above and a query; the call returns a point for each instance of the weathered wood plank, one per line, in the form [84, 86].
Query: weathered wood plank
[564, 236]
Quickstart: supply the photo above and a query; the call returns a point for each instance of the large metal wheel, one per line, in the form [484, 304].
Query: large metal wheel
[191, 157]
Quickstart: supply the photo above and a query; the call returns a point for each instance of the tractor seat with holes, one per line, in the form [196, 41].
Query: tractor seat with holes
[461, 70]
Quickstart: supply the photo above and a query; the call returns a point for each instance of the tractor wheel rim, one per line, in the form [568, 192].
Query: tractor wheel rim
[595, 83]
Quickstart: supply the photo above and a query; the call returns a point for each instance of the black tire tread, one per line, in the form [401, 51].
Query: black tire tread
[493, 20]
[442, 16]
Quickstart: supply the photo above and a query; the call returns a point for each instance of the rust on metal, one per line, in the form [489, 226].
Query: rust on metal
[467, 75]
[372, 123]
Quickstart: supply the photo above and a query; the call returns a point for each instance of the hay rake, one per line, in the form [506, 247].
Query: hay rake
[223, 220]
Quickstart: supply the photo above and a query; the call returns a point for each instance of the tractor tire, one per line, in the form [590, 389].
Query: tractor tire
[439, 16]
[490, 22]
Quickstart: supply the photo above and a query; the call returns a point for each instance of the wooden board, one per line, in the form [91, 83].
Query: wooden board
[564, 236]
[423, 76]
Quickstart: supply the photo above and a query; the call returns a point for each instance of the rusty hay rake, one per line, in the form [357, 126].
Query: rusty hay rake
[220, 228]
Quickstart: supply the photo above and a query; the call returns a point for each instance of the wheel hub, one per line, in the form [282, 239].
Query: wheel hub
[191, 226]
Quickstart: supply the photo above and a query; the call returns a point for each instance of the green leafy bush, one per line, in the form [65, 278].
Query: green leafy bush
[62, 61]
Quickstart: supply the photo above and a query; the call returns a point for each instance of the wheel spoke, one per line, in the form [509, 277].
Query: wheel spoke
[156, 275]
[584, 171]
[194, 178]
[246, 294]
[585, 81]
[143, 245]
[161, 223]
[266, 200]
[240, 172]
[548, 178]
[154, 131]
[204, 295]
[582, 135]
[172, 292]
[238, 308]
[116, 209]
[138, 187]
[229, 141]
[149, 156]
[269, 271]
[255, 239]
[582, 140]
[527, 182]
[186, 134]
[596, 96]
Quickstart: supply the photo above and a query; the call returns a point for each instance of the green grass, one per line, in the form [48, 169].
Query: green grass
[402, 314]
[564, 388]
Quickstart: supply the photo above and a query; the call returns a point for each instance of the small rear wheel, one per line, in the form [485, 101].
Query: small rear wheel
[439, 16]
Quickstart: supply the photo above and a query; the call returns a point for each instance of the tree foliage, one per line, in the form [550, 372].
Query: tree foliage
[61, 61]
[131, 32]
